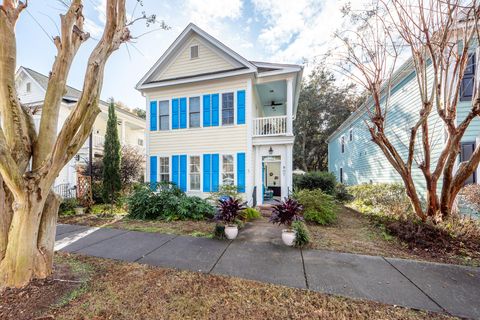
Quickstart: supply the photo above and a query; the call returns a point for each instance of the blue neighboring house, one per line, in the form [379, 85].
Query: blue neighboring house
[355, 159]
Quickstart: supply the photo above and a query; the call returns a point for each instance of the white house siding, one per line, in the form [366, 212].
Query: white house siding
[364, 162]
[220, 139]
[36, 93]
[208, 61]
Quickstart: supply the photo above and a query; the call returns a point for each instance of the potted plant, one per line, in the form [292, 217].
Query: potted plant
[228, 211]
[284, 213]
[79, 210]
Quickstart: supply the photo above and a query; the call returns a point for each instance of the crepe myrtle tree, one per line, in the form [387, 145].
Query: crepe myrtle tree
[440, 37]
[30, 162]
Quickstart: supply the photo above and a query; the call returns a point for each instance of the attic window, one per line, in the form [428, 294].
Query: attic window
[29, 86]
[194, 52]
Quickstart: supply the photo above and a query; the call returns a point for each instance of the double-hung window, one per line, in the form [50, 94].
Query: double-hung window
[194, 112]
[195, 173]
[228, 177]
[164, 169]
[163, 117]
[227, 109]
[343, 144]
[466, 89]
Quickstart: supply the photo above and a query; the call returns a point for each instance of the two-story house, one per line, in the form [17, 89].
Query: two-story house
[31, 88]
[215, 118]
[355, 159]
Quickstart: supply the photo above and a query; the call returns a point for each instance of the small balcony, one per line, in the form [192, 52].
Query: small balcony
[270, 126]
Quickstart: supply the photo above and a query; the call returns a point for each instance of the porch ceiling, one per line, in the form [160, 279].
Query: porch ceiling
[275, 92]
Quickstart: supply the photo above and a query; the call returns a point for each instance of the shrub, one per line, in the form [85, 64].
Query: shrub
[471, 194]
[286, 212]
[319, 207]
[169, 203]
[325, 181]
[224, 191]
[229, 210]
[251, 214]
[67, 206]
[302, 235]
[381, 198]
[342, 194]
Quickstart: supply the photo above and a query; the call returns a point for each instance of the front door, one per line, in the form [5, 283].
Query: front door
[272, 177]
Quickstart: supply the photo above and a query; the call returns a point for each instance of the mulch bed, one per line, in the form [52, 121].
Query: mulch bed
[34, 300]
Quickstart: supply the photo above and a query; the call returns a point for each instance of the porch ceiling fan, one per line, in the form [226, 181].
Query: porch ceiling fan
[273, 104]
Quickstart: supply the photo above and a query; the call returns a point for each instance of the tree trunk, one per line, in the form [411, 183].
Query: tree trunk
[29, 251]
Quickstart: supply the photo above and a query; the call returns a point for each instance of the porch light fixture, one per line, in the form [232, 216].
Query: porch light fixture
[270, 151]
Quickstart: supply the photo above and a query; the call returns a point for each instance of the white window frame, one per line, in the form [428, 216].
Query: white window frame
[199, 173]
[220, 111]
[200, 105]
[198, 51]
[234, 168]
[169, 115]
[169, 168]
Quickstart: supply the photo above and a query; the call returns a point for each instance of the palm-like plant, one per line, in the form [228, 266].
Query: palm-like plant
[286, 212]
[229, 209]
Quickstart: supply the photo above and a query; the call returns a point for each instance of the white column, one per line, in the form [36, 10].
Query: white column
[290, 106]
[250, 164]
[258, 174]
[123, 132]
[289, 167]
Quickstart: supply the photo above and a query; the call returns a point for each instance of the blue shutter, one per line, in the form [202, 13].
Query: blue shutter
[175, 175]
[215, 171]
[206, 173]
[241, 107]
[183, 173]
[215, 112]
[241, 172]
[153, 172]
[206, 110]
[175, 113]
[183, 113]
[153, 115]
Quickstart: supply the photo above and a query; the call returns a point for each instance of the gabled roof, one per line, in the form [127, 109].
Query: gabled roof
[71, 95]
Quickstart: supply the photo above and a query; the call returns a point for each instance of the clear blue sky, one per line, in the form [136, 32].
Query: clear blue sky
[264, 30]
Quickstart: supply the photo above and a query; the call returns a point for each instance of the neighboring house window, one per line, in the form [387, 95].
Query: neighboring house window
[227, 170]
[227, 108]
[164, 169]
[194, 112]
[343, 144]
[193, 52]
[163, 117]
[351, 134]
[466, 89]
[341, 175]
[195, 173]
[140, 142]
[465, 154]
[29, 86]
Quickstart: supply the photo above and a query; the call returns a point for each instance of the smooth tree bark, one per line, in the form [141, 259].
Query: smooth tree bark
[28, 206]
[440, 36]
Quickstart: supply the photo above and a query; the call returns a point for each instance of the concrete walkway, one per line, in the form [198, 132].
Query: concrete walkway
[258, 254]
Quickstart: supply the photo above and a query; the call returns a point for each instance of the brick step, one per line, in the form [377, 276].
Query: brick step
[265, 209]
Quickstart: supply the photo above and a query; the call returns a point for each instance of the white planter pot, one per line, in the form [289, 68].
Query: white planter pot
[288, 237]
[79, 211]
[231, 232]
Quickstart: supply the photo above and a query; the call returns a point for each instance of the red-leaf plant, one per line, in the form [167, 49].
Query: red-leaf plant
[286, 212]
[229, 209]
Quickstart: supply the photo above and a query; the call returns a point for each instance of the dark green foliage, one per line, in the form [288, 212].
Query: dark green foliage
[326, 181]
[323, 105]
[67, 206]
[342, 194]
[319, 207]
[97, 192]
[111, 158]
[219, 232]
[302, 236]
[229, 210]
[169, 203]
[286, 212]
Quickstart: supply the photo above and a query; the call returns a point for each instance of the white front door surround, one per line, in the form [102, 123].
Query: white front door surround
[285, 153]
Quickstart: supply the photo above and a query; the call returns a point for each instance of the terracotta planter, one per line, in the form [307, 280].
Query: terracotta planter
[288, 237]
[231, 231]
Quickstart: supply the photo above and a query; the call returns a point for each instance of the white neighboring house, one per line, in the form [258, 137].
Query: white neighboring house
[215, 118]
[31, 88]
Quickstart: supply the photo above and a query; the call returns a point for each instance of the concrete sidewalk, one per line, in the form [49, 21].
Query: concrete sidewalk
[420, 285]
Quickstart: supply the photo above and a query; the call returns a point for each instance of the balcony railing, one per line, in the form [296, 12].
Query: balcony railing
[270, 126]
